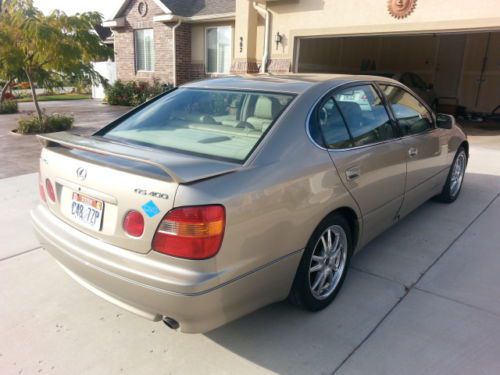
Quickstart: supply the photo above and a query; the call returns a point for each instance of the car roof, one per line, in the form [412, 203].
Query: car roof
[294, 83]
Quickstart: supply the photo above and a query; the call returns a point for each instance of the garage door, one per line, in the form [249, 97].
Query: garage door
[460, 68]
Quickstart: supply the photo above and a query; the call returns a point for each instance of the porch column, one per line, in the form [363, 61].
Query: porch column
[245, 38]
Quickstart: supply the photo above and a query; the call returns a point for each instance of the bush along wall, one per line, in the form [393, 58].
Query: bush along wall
[8, 106]
[48, 124]
[133, 93]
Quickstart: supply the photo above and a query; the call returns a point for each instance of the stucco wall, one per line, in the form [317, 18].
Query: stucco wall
[354, 17]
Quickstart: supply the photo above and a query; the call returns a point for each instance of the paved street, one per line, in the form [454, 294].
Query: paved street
[423, 298]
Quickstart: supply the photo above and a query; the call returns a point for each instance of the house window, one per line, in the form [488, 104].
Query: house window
[218, 49]
[144, 50]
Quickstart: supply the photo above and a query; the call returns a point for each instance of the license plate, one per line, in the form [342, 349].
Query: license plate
[87, 211]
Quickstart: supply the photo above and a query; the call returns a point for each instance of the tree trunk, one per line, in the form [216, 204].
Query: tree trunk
[4, 90]
[33, 94]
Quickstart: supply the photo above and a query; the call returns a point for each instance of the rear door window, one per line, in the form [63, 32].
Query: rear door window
[365, 115]
[214, 123]
[412, 115]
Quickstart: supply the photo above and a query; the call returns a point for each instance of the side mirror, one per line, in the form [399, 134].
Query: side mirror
[445, 121]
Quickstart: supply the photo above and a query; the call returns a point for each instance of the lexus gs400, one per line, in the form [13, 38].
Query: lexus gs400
[225, 195]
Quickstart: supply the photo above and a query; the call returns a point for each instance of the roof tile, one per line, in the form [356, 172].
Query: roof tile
[190, 8]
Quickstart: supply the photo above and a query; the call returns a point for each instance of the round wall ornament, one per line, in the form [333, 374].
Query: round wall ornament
[401, 8]
[142, 8]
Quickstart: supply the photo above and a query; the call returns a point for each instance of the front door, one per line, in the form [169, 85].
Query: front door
[425, 153]
[370, 160]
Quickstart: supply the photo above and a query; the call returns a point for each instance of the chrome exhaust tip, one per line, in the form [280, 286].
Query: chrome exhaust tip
[170, 323]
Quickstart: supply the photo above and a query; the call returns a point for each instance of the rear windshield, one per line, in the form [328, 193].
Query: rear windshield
[214, 123]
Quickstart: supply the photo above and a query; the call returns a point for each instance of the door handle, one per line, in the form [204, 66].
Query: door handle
[352, 173]
[412, 152]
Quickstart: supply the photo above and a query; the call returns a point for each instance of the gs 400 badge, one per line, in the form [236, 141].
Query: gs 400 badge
[154, 194]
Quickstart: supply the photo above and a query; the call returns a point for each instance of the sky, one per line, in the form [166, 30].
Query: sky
[108, 8]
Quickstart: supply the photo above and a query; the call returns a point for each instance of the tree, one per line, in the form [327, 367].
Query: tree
[10, 58]
[48, 49]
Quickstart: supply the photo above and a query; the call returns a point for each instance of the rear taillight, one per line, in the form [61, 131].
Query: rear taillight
[134, 223]
[50, 190]
[41, 190]
[191, 232]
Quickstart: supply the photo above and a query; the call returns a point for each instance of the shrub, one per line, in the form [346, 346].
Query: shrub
[8, 106]
[52, 123]
[21, 95]
[133, 93]
[9, 96]
[22, 86]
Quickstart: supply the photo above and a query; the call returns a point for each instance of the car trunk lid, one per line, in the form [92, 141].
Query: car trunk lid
[114, 179]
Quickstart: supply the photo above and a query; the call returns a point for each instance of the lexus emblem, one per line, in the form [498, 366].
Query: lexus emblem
[81, 173]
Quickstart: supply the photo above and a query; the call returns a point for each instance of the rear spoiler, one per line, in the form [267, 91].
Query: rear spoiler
[179, 167]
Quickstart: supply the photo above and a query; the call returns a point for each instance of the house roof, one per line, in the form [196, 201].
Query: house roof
[190, 8]
[103, 32]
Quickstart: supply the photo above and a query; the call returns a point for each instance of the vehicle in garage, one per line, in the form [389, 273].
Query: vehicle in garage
[222, 196]
[417, 84]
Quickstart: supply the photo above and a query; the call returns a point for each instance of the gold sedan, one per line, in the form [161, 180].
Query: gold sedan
[222, 196]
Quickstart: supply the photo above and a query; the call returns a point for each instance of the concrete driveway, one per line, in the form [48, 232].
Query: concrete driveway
[19, 153]
[423, 298]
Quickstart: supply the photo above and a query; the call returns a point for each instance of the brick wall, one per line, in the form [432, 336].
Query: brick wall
[163, 67]
[198, 71]
[279, 65]
[163, 52]
[183, 53]
[243, 66]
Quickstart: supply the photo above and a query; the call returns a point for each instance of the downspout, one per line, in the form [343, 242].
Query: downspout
[264, 13]
[179, 21]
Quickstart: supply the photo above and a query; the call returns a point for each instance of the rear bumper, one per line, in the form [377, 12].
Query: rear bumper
[146, 285]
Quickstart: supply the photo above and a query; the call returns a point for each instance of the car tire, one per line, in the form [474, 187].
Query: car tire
[454, 181]
[331, 265]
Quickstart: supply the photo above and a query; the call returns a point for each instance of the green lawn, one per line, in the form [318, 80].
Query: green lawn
[45, 98]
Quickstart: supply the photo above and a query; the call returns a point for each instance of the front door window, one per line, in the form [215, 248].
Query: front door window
[413, 117]
[218, 49]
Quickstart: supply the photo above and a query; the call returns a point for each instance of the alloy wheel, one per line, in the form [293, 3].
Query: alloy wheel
[328, 262]
[457, 174]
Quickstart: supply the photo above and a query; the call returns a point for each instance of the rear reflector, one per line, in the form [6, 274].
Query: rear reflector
[50, 190]
[134, 223]
[191, 232]
[41, 190]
